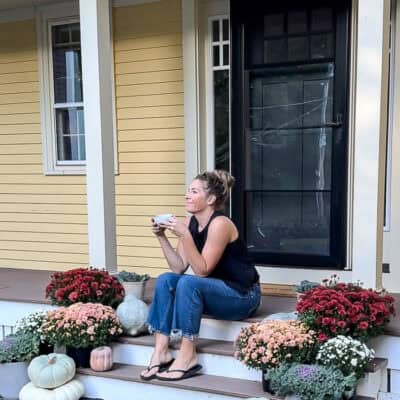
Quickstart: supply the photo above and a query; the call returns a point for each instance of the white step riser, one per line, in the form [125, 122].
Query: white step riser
[114, 389]
[220, 330]
[212, 364]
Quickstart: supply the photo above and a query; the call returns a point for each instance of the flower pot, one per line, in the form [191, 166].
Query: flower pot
[81, 355]
[45, 348]
[13, 376]
[135, 288]
[266, 383]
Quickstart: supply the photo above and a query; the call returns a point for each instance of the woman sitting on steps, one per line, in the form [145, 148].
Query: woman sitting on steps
[225, 283]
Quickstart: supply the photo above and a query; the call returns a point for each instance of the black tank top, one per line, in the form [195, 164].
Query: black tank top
[235, 267]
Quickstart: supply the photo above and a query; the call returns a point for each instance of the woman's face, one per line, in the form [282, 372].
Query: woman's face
[196, 197]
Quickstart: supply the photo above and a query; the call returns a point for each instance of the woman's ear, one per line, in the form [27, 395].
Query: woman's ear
[211, 199]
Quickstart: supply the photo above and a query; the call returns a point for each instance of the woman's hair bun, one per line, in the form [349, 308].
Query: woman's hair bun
[218, 183]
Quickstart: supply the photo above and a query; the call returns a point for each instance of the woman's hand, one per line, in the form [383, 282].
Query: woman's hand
[177, 227]
[157, 229]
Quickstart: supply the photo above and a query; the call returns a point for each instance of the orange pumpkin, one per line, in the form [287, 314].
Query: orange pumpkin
[101, 358]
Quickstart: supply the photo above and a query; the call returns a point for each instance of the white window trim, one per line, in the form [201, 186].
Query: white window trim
[46, 17]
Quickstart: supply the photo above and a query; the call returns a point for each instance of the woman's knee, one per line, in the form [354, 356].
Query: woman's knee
[167, 280]
[189, 284]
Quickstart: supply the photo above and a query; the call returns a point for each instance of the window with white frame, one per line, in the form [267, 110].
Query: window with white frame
[219, 49]
[67, 98]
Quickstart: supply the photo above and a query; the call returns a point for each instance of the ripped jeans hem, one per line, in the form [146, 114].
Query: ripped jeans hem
[175, 334]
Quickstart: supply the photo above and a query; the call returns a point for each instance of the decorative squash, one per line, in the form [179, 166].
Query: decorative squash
[52, 370]
[132, 313]
[101, 358]
[73, 390]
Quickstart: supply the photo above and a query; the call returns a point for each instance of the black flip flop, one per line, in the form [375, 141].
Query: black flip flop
[161, 368]
[186, 373]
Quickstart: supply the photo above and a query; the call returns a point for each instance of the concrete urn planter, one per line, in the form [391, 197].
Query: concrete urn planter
[13, 376]
[134, 288]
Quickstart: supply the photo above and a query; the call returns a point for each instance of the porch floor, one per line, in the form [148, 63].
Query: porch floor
[25, 285]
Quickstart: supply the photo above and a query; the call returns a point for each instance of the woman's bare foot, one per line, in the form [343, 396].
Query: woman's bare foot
[158, 361]
[185, 360]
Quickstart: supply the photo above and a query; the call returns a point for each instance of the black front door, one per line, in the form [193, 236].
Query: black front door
[289, 74]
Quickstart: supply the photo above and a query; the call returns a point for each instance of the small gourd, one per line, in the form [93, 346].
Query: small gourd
[101, 358]
[132, 313]
[52, 370]
[73, 390]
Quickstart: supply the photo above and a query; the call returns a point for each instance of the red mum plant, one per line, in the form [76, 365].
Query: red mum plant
[86, 286]
[345, 309]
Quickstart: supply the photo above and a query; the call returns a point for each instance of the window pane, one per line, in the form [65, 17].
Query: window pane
[226, 54]
[221, 119]
[70, 134]
[288, 222]
[67, 75]
[321, 19]
[275, 50]
[322, 46]
[215, 31]
[274, 24]
[297, 22]
[298, 48]
[61, 34]
[75, 33]
[216, 62]
[225, 29]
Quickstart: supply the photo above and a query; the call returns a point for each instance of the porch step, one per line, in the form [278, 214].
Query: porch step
[216, 356]
[123, 377]
[211, 346]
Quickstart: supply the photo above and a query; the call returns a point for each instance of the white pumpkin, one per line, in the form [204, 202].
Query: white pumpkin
[132, 313]
[52, 370]
[73, 390]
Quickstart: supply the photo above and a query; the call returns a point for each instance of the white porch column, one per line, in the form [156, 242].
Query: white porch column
[369, 149]
[190, 89]
[97, 92]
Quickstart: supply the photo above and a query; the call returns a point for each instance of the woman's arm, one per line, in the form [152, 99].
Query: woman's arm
[220, 233]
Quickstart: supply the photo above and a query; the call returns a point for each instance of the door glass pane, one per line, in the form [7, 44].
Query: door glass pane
[275, 51]
[288, 159]
[321, 46]
[298, 48]
[292, 222]
[322, 19]
[274, 24]
[297, 22]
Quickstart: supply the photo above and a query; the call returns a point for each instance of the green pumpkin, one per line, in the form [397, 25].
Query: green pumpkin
[51, 371]
[72, 390]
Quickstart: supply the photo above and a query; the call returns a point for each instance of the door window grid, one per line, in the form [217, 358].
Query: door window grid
[67, 94]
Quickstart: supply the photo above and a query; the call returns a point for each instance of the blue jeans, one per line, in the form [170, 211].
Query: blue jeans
[180, 300]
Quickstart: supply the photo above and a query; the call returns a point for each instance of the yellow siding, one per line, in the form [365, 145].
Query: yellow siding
[43, 221]
[149, 101]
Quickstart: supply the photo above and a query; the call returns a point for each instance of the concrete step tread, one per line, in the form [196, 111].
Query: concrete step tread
[210, 346]
[240, 388]
[222, 348]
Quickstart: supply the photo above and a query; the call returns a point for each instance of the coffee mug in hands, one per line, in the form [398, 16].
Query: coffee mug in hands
[162, 218]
